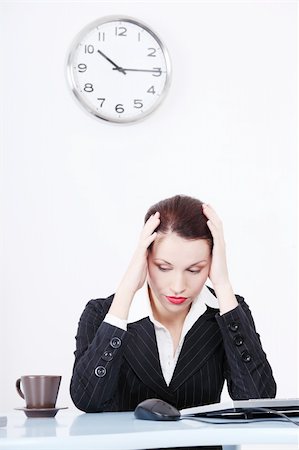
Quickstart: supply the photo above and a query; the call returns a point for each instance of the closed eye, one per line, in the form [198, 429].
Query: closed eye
[163, 269]
[166, 269]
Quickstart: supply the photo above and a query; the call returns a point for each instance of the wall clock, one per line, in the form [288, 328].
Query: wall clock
[118, 69]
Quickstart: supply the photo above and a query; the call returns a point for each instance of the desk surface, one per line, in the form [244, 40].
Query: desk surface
[72, 430]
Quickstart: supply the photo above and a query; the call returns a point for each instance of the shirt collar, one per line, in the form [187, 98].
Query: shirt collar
[141, 307]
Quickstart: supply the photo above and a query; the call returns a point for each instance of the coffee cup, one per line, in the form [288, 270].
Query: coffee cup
[39, 391]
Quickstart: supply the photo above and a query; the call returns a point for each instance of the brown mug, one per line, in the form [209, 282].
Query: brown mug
[40, 391]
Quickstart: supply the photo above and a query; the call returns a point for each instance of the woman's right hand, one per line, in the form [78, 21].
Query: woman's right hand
[135, 275]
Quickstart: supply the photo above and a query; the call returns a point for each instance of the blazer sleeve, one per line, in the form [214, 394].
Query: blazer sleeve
[98, 357]
[247, 370]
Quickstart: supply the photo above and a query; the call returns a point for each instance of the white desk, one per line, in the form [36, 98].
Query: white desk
[74, 430]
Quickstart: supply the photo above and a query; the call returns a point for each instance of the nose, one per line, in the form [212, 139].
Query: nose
[178, 286]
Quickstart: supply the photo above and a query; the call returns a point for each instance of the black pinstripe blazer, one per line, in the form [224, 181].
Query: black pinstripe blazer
[114, 369]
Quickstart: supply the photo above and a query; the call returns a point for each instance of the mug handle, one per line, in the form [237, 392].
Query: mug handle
[18, 387]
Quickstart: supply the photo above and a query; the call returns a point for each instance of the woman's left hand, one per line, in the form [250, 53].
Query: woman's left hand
[218, 270]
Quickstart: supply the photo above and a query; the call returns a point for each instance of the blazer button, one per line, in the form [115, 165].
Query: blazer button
[100, 371]
[107, 356]
[115, 342]
[239, 340]
[233, 326]
[246, 357]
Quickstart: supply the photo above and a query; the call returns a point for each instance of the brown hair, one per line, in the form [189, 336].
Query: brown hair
[182, 215]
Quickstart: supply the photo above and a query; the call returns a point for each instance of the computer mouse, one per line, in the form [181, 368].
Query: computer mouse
[156, 409]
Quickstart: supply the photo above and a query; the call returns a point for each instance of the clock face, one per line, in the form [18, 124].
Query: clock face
[118, 69]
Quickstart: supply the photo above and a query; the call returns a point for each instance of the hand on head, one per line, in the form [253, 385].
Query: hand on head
[135, 275]
[218, 270]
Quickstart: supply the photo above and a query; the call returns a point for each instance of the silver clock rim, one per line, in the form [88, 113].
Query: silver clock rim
[70, 74]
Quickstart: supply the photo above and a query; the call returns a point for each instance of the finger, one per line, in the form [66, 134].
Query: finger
[211, 214]
[152, 218]
[212, 228]
[150, 239]
[215, 230]
[145, 242]
[151, 224]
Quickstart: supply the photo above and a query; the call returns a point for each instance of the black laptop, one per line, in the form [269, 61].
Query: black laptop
[246, 409]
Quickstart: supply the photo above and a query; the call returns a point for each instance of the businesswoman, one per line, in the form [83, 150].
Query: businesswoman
[164, 333]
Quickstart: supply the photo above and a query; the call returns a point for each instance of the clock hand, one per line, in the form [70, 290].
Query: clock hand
[116, 67]
[139, 70]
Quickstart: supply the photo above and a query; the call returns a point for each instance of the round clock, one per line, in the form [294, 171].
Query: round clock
[118, 69]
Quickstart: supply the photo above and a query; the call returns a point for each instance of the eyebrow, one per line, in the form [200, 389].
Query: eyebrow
[191, 265]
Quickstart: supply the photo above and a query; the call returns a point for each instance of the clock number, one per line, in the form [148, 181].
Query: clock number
[102, 36]
[120, 31]
[82, 67]
[101, 99]
[152, 52]
[138, 104]
[151, 90]
[89, 48]
[119, 108]
[88, 87]
[158, 72]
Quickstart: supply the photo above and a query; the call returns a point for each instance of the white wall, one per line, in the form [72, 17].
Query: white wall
[74, 190]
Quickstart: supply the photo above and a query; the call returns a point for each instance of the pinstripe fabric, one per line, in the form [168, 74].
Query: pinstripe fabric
[110, 377]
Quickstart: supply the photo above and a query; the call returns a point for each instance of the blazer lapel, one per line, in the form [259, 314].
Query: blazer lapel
[142, 355]
[199, 344]
[142, 352]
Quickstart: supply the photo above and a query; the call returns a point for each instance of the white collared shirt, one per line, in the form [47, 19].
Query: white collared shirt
[141, 308]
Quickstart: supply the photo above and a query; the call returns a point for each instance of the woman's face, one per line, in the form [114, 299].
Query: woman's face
[177, 270]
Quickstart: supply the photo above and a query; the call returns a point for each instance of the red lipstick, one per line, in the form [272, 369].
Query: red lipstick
[176, 300]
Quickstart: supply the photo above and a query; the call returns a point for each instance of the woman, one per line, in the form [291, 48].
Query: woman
[165, 334]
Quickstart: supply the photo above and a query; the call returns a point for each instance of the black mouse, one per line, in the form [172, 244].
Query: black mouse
[156, 409]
